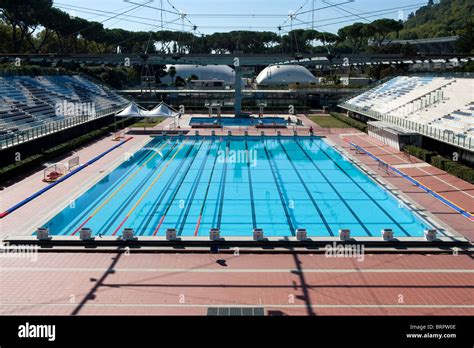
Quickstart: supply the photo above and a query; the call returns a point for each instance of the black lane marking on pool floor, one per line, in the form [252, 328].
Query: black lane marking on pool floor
[362, 189]
[222, 187]
[391, 193]
[136, 190]
[170, 182]
[87, 212]
[171, 199]
[308, 192]
[209, 183]
[336, 191]
[185, 212]
[162, 194]
[252, 203]
[113, 217]
[195, 186]
[282, 199]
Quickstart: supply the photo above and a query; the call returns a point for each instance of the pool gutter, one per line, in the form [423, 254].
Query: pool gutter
[369, 245]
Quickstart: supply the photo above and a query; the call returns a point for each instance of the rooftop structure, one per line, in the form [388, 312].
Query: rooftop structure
[285, 74]
[439, 107]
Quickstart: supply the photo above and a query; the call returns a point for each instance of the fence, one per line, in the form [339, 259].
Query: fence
[385, 166]
[9, 140]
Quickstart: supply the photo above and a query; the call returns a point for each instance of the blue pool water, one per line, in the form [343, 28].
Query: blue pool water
[278, 184]
[237, 121]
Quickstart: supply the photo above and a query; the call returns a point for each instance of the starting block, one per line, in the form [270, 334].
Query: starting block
[214, 234]
[42, 233]
[257, 233]
[301, 234]
[128, 234]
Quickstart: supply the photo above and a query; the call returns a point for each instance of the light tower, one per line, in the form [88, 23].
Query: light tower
[148, 78]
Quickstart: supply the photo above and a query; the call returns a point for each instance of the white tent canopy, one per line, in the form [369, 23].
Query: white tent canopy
[162, 110]
[132, 110]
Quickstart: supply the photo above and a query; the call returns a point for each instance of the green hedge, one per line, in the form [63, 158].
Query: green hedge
[14, 169]
[452, 167]
[20, 166]
[439, 162]
[420, 153]
[351, 122]
[455, 168]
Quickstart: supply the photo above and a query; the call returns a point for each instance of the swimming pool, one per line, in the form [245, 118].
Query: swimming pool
[236, 184]
[237, 121]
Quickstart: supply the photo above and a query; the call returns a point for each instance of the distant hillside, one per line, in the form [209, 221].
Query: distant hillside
[446, 18]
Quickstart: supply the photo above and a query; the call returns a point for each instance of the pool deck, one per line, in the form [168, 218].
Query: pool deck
[175, 283]
[283, 284]
[51, 202]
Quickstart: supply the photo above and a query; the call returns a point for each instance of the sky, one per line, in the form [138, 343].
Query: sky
[226, 15]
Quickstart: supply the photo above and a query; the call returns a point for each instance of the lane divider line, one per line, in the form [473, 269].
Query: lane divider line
[67, 176]
[374, 201]
[444, 200]
[130, 197]
[175, 193]
[155, 205]
[118, 189]
[148, 189]
[201, 211]
[195, 186]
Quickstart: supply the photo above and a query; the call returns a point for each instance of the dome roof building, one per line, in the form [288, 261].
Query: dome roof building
[284, 75]
[203, 72]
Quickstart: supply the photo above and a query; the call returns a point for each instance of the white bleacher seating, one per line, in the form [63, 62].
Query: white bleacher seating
[446, 104]
[26, 102]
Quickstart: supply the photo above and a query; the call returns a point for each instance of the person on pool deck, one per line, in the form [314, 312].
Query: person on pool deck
[311, 130]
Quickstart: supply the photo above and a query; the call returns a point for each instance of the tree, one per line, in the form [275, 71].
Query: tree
[193, 77]
[172, 73]
[180, 82]
[354, 34]
[329, 40]
[444, 18]
[381, 28]
[465, 43]
[23, 17]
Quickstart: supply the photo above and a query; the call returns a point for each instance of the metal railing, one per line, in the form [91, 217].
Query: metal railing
[464, 141]
[19, 137]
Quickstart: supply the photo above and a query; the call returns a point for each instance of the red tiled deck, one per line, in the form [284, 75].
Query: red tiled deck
[186, 284]
[454, 189]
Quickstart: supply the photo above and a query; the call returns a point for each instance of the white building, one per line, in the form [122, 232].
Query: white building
[203, 72]
[284, 75]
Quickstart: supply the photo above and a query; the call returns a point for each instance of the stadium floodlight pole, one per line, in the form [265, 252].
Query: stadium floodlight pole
[182, 15]
[237, 88]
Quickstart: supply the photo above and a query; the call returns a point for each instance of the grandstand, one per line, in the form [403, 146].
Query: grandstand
[29, 106]
[437, 107]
